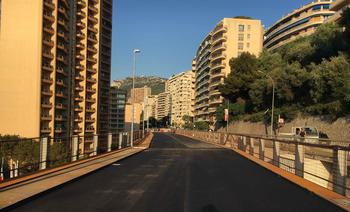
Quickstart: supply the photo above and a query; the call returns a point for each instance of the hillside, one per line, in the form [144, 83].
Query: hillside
[157, 84]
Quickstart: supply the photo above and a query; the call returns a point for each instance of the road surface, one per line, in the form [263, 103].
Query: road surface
[181, 175]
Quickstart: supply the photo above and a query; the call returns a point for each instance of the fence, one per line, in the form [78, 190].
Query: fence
[325, 164]
[27, 156]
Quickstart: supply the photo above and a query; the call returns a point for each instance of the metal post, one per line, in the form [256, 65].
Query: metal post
[261, 149]
[127, 138]
[95, 144]
[273, 104]
[228, 113]
[133, 97]
[43, 152]
[75, 142]
[299, 160]
[276, 153]
[339, 170]
[120, 140]
[109, 147]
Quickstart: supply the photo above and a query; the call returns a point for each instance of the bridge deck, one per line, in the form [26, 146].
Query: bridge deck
[180, 174]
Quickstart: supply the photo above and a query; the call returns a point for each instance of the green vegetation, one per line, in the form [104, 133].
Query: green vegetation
[156, 84]
[188, 122]
[201, 125]
[311, 74]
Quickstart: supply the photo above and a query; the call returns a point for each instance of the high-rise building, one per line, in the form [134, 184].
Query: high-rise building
[55, 58]
[137, 116]
[230, 38]
[338, 7]
[163, 105]
[181, 89]
[117, 103]
[149, 106]
[140, 94]
[298, 23]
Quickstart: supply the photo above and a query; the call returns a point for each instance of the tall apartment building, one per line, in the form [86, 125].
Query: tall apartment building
[149, 106]
[117, 103]
[300, 22]
[140, 94]
[181, 89]
[137, 116]
[55, 64]
[338, 7]
[230, 38]
[163, 105]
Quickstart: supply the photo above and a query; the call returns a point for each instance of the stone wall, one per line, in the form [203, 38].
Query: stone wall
[336, 130]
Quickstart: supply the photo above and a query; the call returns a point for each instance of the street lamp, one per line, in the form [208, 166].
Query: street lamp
[273, 98]
[133, 97]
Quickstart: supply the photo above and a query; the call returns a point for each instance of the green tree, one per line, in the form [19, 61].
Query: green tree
[201, 125]
[188, 122]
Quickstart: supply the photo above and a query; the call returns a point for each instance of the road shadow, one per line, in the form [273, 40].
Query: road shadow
[209, 208]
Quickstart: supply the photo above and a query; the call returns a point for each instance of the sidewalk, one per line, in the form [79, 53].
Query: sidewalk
[19, 191]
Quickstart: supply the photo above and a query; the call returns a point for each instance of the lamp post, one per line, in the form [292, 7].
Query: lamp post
[133, 97]
[273, 99]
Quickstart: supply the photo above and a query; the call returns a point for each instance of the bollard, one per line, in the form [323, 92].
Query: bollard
[299, 160]
[95, 144]
[75, 142]
[120, 140]
[109, 147]
[43, 152]
[276, 153]
[339, 171]
[251, 148]
[262, 149]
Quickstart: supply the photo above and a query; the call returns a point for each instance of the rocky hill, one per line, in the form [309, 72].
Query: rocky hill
[157, 84]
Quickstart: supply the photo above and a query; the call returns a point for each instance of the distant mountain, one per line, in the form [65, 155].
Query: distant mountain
[157, 84]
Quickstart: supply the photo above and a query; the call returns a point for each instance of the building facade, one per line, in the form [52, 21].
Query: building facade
[181, 89]
[137, 116]
[60, 87]
[300, 22]
[117, 110]
[230, 38]
[163, 104]
[338, 7]
[140, 94]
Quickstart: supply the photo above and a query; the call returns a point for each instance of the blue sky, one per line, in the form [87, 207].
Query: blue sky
[168, 32]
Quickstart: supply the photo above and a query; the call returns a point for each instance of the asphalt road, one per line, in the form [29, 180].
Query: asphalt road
[181, 175]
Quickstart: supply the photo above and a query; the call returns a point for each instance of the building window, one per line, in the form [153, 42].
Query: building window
[248, 45]
[240, 37]
[316, 8]
[240, 46]
[241, 28]
[248, 36]
[326, 6]
[248, 27]
[0, 13]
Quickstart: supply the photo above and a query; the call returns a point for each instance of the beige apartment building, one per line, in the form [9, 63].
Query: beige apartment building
[137, 116]
[298, 23]
[230, 38]
[338, 7]
[163, 105]
[150, 106]
[181, 89]
[140, 94]
[55, 58]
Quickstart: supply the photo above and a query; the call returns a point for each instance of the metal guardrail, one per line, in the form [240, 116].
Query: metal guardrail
[23, 157]
[323, 162]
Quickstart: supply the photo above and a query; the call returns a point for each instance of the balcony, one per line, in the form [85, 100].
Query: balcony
[93, 19]
[91, 100]
[63, 11]
[60, 118]
[62, 22]
[60, 106]
[61, 59]
[78, 109]
[61, 34]
[80, 57]
[49, 4]
[81, 25]
[91, 90]
[90, 120]
[90, 129]
[65, 3]
[78, 130]
[81, 3]
[217, 56]
[79, 67]
[79, 98]
[81, 14]
[47, 80]
[90, 79]
[48, 42]
[45, 130]
[80, 35]
[79, 77]
[61, 46]
[59, 130]
[90, 110]
[61, 83]
[219, 29]
[78, 119]
[92, 29]
[92, 39]
[61, 71]
[219, 39]
[48, 54]
[218, 47]
[94, 1]
[214, 75]
[49, 29]
[61, 94]
[79, 88]
[46, 92]
[215, 101]
[46, 117]
[92, 49]
[93, 9]
[92, 70]
[46, 105]
[49, 17]
[80, 45]
[91, 59]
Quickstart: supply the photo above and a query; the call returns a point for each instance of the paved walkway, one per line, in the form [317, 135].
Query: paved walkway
[180, 174]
